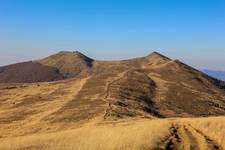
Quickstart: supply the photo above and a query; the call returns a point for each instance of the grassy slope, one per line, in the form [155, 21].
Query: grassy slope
[126, 134]
[214, 127]
[23, 108]
[132, 135]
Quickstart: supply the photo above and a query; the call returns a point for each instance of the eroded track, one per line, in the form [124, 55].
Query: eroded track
[184, 136]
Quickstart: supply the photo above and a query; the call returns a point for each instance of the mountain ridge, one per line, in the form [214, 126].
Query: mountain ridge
[68, 64]
[69, 87]
[172, 77]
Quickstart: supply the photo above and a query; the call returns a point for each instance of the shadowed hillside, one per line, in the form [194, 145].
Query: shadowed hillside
[28, 72]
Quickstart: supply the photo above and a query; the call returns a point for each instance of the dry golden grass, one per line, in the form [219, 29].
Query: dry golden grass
[130, 135]
[214, 127]
[126, 134]
[23, 109]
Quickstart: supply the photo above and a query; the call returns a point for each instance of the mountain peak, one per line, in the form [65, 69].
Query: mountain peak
[69, 63]
[75, 53]
[156, 59]
[158, 55]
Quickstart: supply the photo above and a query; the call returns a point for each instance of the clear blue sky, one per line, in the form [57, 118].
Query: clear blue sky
[190, 30]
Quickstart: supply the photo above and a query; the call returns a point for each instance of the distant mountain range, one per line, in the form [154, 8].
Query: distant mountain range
[216, 74]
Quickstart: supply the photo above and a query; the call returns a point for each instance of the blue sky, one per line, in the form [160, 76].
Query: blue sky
[190, 30]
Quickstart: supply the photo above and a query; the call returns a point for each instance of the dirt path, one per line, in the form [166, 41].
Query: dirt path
[108, 84]
[107, 87]
[212, 145]
[185, 137]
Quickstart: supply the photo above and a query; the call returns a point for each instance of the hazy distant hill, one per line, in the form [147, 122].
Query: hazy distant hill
[216, 74]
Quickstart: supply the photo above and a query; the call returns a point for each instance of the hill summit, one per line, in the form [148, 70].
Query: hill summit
[69, 64]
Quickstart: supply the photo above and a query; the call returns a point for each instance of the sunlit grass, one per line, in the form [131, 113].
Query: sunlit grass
[134, 135]
[214, 127]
